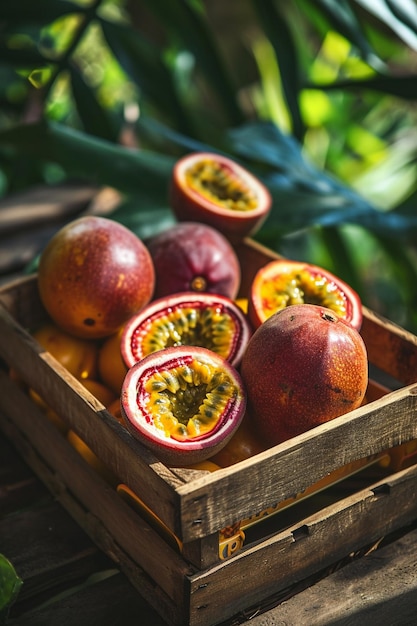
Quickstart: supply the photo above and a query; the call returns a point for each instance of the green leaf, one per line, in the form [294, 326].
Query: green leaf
[22, 57]
[142, 61]
[399, 15]
[280, 37]
[10, 585]
[399, 86]
[94, 117]
[41, 11]
[92, 159]
[343, 19]
[305, 196]
[188, 26]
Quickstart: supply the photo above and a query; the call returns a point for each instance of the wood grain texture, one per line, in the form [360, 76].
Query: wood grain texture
[380, 588]
[185, 588]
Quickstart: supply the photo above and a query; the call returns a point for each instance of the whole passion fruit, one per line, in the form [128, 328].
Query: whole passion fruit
[184, 403]
[282, 282]
[188, 318]
[194, 257]
[302, 367]
[93, 275]
[216, 190]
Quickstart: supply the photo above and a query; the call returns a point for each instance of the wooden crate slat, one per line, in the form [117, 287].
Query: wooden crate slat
[306, 548]
[265, 478]
[88, 498]
[197, 505]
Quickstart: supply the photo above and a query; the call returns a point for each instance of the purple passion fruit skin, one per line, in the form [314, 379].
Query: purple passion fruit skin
[207, 320]
[194, 257]
[215, 190]
[183, 403]
[302, 367]
[93, 275]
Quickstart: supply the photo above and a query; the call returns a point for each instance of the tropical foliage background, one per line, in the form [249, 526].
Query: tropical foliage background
[316, 97]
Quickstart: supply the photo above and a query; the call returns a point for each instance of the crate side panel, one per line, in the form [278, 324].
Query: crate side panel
[21, 298]
[391, 348]
[111, 523]
[300, 551]
[127, 458]
[289, 468]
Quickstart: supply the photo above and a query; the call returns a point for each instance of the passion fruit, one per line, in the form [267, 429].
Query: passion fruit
[184, 403]
[93, 275]
[244, 444]
[78, 356]
[283, 282]
[215, 190]
[188, 318]
[302, 367]
[194, 257]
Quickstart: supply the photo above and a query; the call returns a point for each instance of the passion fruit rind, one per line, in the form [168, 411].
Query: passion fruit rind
[211, 321]
[184, 403]
[193, 256]
[216, 190]
[282, 283]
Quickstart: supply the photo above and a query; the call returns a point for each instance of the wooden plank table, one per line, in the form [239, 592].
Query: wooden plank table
[68, 580]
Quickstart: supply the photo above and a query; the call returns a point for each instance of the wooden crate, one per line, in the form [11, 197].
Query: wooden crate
[185, 580]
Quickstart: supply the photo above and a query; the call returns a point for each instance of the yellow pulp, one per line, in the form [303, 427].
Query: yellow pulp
[301, 287]
[188, 400]
[220, 185]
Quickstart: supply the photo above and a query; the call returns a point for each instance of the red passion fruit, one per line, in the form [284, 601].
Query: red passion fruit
[302, 367]
[194, 257]
[216, 190]
[282, 282]
[208, 320]
[184, 403]
[93, 275]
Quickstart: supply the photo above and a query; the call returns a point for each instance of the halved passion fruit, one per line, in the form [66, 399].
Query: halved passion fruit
[216, 190]
[184, 403]
[284, 282]
[211, 321]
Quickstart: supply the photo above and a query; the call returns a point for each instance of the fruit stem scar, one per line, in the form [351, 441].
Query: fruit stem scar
[329, 317]
[198, 283]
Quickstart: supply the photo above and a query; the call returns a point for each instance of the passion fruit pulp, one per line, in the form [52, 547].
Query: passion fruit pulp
[282, 283]
[194, 257]
[184, 403]
[208, 320]
[214, 189]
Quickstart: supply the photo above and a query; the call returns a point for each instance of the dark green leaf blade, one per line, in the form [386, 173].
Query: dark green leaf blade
[280, 37]
[189, 26]
[399, 15]
[95, 118]
[142, 61]
[10, 585]
[303, 195]
[41, 11]
[400, 86]
[93, 159]
[344, 20]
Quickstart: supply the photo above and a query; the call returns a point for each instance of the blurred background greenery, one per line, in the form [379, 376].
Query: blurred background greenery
[316, 97]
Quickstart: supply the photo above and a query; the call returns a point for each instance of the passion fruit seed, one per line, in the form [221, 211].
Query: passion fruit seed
[302, 287]
[187, 400]
[220, 185]
[211, 326]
